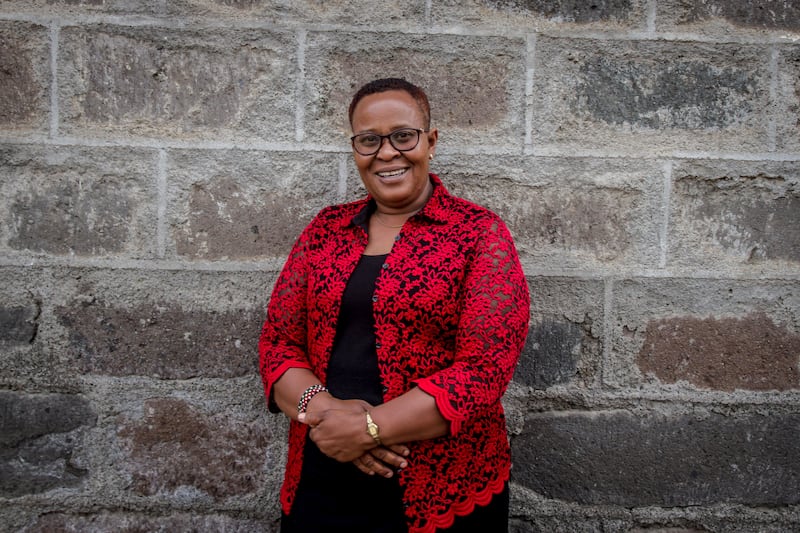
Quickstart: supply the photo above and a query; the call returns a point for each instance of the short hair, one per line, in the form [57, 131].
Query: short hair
[393, 84]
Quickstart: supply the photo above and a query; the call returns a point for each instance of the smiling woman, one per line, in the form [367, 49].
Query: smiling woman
[390, 338]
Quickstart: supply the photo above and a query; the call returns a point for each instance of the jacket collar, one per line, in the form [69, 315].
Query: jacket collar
[435, 209]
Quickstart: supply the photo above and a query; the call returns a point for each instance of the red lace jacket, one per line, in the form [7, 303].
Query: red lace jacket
[451, 314]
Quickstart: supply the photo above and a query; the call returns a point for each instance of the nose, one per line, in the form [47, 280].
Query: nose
[387, 151]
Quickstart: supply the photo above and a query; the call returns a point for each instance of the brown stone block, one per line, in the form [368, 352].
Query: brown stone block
[735, 213]
[24, 77]
[574, 213]
[473, 84]
[177, 83]
[160, 340]
[706, 334]
[74, 201]
[650, 97]
[246, 205]
[748, 353]
[175, 445]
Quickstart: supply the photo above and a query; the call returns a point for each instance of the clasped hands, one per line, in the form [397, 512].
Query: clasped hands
[338, 428]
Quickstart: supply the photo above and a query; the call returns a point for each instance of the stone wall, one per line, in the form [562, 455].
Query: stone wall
[158, 158]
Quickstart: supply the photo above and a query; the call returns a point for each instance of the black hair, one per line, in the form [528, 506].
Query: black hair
[393, 84]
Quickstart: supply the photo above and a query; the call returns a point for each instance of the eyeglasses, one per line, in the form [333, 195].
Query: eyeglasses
[402, 140]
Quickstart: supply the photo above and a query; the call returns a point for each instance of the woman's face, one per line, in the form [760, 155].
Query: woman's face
[398, 181]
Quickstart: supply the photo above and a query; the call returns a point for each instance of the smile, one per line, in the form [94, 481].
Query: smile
[392, 173]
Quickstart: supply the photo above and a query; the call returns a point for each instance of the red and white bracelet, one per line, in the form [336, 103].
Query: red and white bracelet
[309, 393]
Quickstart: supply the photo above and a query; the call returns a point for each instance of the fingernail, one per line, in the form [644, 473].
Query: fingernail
[301, 417]
[403, 464]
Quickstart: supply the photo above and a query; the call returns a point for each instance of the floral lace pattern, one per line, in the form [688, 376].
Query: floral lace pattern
[451, 311]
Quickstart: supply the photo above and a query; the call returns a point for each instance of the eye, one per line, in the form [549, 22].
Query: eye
[368, 139]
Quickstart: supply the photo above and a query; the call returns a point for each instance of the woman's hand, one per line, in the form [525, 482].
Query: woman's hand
[340, 434]
[383, 460]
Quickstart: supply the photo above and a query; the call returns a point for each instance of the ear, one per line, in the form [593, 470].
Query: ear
[433, 137]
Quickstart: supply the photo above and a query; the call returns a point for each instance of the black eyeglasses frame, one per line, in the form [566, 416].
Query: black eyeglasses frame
[388, 136]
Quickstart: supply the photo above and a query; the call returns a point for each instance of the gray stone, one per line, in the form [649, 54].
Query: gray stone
[18, 325]
[551, 354]
[161, 340]
[177, 83]
[618, 458]
[38, 435]
[142, 523]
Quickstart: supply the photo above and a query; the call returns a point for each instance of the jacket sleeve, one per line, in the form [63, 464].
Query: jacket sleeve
[282, 344]
[491, 331]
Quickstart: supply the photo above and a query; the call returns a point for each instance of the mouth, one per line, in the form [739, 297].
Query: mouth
[391, 175]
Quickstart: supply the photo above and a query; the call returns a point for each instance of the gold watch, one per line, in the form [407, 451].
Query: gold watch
[373, 430]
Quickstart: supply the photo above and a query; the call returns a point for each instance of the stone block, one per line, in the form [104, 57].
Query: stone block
[723, 18]
[38, 436]
[245, 205]
[787, 128]
[750, 352]
[161, 340]
[478, 102]
[19, 324]
[188, 84]
[24, 77]
[735, 214]
[564, 344]
[567, 213]
[706, 334]
[137, 523]
[679, 460]
[70, 201]
[409, 15]
[540, 15]
[650, 96]
[176, 446]
[84, 7]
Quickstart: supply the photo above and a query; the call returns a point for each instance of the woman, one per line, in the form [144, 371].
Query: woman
[391, 335]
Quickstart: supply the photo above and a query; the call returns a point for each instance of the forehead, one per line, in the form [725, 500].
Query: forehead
[387, 109]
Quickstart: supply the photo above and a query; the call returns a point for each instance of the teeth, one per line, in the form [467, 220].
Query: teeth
[392, 173]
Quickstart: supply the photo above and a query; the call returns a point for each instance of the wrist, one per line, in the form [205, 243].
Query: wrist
[373, 430]
[308, 395]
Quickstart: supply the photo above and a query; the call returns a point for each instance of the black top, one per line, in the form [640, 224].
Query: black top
[337, 497]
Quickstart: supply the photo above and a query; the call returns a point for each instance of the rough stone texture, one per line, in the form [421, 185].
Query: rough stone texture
[732, 17]
[618, 458]
[175, 447]
[19, 324]
[522, 15]
[24, 77]
[143, 523]
[566, 213]
[479, 100]
[240, 205]
[564, 344]
[160, 340]
[77, 201]
[77, 7]
[788, 92]
[741, 214]
[38, 436]
[647, 96]
[648, 312]
[749, 352]
[162, 82]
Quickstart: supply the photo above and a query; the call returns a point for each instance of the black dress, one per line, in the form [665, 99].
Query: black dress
[335, 497]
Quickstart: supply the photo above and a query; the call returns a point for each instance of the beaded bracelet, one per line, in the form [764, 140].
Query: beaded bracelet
[309, 393]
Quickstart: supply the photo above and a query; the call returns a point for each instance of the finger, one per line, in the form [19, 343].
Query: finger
[400, 449]
[388, 457]
[376, 466]
[360, 465]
